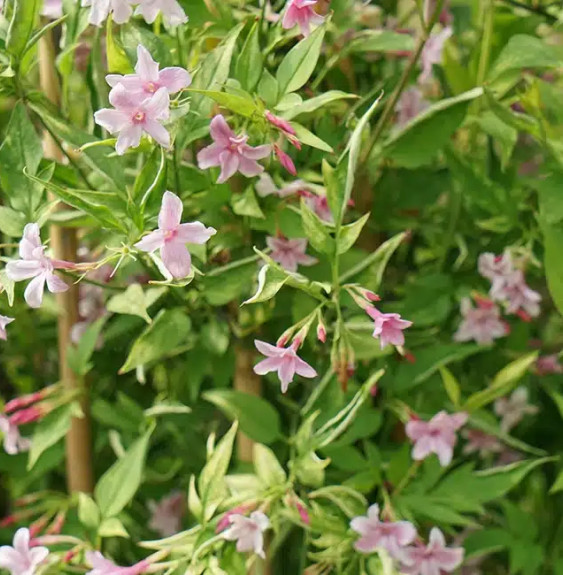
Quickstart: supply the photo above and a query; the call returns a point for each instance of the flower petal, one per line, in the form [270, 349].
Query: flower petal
[146, 67]
[130, 137]
[170, 211]
[175, 79]
[23, 269]
[220, 131]
[33, 293]
[151, 241]
[195, 233]
[176, 258]
[158, 132]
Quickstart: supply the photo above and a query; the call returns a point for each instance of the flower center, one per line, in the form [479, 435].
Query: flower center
[151, 87]
[139, 117]
[169, 235]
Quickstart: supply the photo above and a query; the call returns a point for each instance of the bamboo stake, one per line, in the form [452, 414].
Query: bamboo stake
[64, 243]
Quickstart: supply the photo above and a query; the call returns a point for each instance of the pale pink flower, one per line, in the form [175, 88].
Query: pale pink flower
[301, 13]
[289, 253]
[172, 13]
[494, 267]
[120, 10]
[512, 409]
[410, 105]
[172, 236]
[319, 204]
[35, 264]
[166, 515]
[267, 187]
[52, 9]
[284, 360]
[377, 534]
[21, 558]
[482, 323]
[388, 327]
[434, 559]
[549, 364]
[148, 79]
[231, 152]
[4, 321]
[516, 294]
[248, 532]
[131, 118]
[432, 53]
[103, 566]
[480, 442]
[435, 436]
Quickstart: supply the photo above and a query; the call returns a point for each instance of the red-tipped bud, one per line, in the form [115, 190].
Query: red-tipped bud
[8, 520]
[321, 332]
[22, 402]
[280, 123]
[37, 526]
[69, 556]
[57, 525]
[303, 513]
[373, 390]
[524, 316]
[285, 161]
[409, 356]
[28, 415]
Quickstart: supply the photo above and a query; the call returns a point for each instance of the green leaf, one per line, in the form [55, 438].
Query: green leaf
[313, 104]
[300, 62]
[523, 51]
[268, 89]
[24, 16]
[211, 482]
[316, 231]
[558, 483]
[21, 149]
[167, 331]
[246, 204]
[504, 382]
[451, 385]
[88, 512]
[348, 500]
[242, 105]
[350, 233]
[118, 62]
[270, 281]
[256, 416]
[151, 180]
[167, 408]
[382, 41]
[250, 62]
[79, 355]
[118, 485]
[417, 143]
[11, 222]
[8, 286]
[267, 466]
[51, 429]
[135, 301]
[309, 139]
[112, 526]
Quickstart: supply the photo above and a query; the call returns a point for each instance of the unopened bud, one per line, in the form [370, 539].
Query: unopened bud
[285, 161]
[321, 332]
[28, 415]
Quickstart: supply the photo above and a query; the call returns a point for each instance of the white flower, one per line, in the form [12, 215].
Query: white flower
[248, 532]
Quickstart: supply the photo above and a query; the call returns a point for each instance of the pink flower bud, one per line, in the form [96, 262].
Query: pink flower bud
[69, 556]
[321, 332]
[8, 520]
[57, 525]
[37, 526]
[280, 123]
[224, 522]
[24, 401]
[373, 390]
[285, 161]
[303, 513]
[524, 316]
[410, 357]
[28, 415]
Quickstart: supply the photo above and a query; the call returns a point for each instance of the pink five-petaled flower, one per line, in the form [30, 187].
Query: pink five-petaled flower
[172, 12]
[267, 187]
[4, 321]
[289, 253]
[302, 13]
[409, 106]
[513, 290]
[549, 364]
[102, 566]
[435, 436]
[248, 532]
[131, 118]
[480, 442]
[494, 267]
[377, 534]
[284, 360]
[172, 236]
[20, 558]
[432, 53]
[388, 327]
[14, 443]
[231, 152]
[35, 264]
[513, 409]
[121, 10]
[482, 323]
[319, 204]
[148, 79]
[433, 559]
[166, 515]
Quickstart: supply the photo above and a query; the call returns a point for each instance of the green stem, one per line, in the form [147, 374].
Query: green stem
[407, 477]
[486, 41]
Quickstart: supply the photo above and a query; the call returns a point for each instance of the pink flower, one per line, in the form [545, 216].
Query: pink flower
[4, 321]
[248, 532]
[518, 296]
[482, 323]
[14, 443]
[35, 264]
[290, 252]
[435, 436]
[284, 360]
[319, 204]
[388, 327]
[266, 187]
[376, 534]
[231, 152]
[103, 566]
[120, 10]
[52, 9]
[549, 364]
[409, 106]
[166, 515]
[172, 12]
[433, 559]
[20, 558]
[432, 53]
[131, 118]
[148, 79]
[494, 267]
[513, 409]
[285, 160]
[225, 521]
[171, 237]
[301, 13]
[480, 442]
